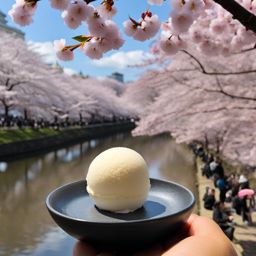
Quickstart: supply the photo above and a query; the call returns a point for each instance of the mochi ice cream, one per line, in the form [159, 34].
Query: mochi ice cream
[118, 180]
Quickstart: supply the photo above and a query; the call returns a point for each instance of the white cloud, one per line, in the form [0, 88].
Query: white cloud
[44, 49]
[121, 60]
[69, 71]
[48, 54]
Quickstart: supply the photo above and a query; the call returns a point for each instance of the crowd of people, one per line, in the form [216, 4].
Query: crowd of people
[235, 194]
[20, 122]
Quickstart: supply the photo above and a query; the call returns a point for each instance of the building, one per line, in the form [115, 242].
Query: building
[7, 28]
[117, 76]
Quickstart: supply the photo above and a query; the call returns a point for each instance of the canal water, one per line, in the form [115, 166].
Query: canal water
[26, 227]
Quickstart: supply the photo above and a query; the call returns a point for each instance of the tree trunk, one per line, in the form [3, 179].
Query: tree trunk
[25, 112]
[6, 112]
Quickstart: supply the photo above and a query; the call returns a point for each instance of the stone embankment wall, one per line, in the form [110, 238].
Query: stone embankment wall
[66, 137]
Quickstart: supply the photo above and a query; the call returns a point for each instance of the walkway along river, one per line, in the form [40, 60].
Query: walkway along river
[26, 227]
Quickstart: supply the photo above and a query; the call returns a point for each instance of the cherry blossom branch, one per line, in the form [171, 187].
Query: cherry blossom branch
[232, 95]
[11, 86]
[15, 84]
[216, 110]
[247, 50]
[222, 91]
[204, 71]
[7, 81]
[239, 13]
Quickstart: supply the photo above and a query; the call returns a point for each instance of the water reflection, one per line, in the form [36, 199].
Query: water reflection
[26, 227]
[3, 166]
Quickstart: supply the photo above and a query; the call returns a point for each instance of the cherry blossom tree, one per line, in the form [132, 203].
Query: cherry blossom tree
[14, 71]
[29, 86]
[24, 75]
[215, 26]
[107, 104]
[7, 98]
[141, 94]
[205, 99]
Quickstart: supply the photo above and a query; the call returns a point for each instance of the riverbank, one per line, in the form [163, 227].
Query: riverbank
[56, 139]
[245, 236]
[21, 134]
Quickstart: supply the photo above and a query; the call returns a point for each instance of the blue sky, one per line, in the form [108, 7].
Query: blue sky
[48, 26]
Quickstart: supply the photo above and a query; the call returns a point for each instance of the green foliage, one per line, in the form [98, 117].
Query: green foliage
[82, 38]
[14, 135]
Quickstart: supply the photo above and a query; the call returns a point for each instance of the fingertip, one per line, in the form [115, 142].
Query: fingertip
[201, 225]
[192, 218]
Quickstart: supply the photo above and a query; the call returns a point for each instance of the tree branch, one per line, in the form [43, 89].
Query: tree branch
[232, 95]
[239, 13]
[204, 71]
[7, 82]
[222, 91]
[216, 110]
[247, 49]
[15, 84]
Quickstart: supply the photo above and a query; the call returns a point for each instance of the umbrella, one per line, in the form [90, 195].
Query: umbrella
[246, 192]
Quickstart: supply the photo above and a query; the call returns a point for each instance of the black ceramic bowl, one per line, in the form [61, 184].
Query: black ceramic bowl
[165, 211]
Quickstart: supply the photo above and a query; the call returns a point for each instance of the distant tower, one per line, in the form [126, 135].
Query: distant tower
[8, 29]
[117, 76]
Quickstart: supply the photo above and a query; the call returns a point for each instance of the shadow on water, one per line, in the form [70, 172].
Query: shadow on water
[26, 227]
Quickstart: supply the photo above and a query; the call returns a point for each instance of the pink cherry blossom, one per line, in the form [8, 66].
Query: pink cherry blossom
[155, 2]
[194, 21]
[143, 30]
[151, 25]
[65, 55]
[92, 49]
[96, 25]
[79, 10]
[168, 45]
[218, 26]
[181, 21]
[117, 43]
[111, 29]
[21, 13]
[177, 5]
[61, 52]
[196, 35]
[59, 4]
[20, 17]
[104, 12]
[71, 21]
[194, 6]
[141, 35]
[209, 48]
[104, 44]
[129, 28]
[59, 44]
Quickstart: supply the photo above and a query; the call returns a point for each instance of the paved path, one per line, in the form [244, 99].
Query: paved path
[245, 236]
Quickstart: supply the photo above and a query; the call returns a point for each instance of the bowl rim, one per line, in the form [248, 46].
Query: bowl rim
[68, 217]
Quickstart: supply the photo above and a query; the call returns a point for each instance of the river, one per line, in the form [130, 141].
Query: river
[26, 227]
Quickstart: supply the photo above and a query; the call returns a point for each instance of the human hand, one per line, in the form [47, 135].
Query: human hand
[203, 238]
